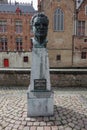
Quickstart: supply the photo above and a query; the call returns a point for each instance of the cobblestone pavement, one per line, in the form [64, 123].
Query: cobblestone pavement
[70, 110]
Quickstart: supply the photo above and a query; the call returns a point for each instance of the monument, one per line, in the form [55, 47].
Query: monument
[40, 95]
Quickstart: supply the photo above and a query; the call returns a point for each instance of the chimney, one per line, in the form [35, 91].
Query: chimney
[39, 5]
[31, 3]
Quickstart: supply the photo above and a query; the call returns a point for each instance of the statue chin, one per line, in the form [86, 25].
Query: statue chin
[40, 38]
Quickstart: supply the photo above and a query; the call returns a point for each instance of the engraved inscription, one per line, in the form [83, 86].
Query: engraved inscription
[40, 84]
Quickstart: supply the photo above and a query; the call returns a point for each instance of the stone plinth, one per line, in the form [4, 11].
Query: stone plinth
[39, 95]
[40, 103]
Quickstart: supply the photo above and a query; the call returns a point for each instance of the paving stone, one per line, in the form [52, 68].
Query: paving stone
[40, 128]
[50, 123]
[64, 122]
[71, 125]
[46, 119]
[42, 123]
[12, 121]
[36, 123]
[28, 119]
[86, 126]
[54, 127]
[21, 127]
[47, 128]
[14, 129]
[68, 128]
[26, 128]
[33, 128]
[60, 128]
[83, 129]
[7, 128]
[52, 118]
[11, 125]
[15, 126]
[24, 123]
[70, 113]
[17, 122]
[77, 127]
[57, 123]
[29, 123]
[32, 119]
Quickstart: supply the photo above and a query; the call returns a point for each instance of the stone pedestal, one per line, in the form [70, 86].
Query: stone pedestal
[39, 95]
[40, 103]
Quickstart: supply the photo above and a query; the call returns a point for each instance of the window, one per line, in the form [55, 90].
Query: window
[3, 26]
[58, 20]
[85, 40]
[58, 57]
[83, 55]
[25, 58]
[3, 44]
[81, 28]
[86, 10]
[18, 25]
[31, 29]
[19, 44]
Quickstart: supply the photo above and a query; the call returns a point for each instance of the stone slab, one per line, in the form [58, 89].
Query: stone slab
[40, 105]
[40, 94]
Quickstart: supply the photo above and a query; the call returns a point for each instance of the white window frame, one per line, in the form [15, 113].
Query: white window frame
[58, 20]
[3, 26]
[19, 44]
[4, 44]
[18, 26]
[80, 25]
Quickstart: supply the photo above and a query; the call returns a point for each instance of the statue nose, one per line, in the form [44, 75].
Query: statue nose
[41, 26]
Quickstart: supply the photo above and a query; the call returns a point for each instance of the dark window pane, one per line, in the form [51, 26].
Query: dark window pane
[83, 55]
[81, 28]
[58, 57]
[25, 58]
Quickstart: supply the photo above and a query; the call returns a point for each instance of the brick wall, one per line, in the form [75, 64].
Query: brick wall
[20, 78]
[60, 42]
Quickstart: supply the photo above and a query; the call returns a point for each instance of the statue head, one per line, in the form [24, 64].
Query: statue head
[40, 26]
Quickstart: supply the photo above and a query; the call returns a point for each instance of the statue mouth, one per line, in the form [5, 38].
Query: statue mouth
[42, 32]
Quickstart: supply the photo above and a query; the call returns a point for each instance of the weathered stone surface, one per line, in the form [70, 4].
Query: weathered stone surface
[13, 101]
[44, 105]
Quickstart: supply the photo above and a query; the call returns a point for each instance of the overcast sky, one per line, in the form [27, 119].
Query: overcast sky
[26, 1]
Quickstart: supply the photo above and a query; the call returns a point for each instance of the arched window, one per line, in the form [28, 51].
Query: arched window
[58, 20]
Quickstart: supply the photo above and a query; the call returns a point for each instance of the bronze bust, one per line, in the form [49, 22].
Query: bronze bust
[40, 28]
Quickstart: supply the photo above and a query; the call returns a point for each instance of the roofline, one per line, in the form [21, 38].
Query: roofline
[80, 4]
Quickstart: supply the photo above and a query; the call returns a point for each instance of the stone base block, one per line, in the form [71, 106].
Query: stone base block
[40, 104]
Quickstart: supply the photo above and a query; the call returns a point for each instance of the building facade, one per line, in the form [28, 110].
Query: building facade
[61, 30]
[80, 39]
[3, 1]
[67, 32]
[15, 35]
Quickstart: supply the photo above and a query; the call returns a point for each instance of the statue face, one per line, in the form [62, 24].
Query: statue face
[40, 27]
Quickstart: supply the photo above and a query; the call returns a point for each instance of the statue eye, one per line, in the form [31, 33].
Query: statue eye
[45, 25]
[37, 24]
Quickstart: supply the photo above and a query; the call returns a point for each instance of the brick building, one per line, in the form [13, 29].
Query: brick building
[61, 30]
[80, 39]
[67, 48]
[67, 33]
[3, 1]
[15, 34]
